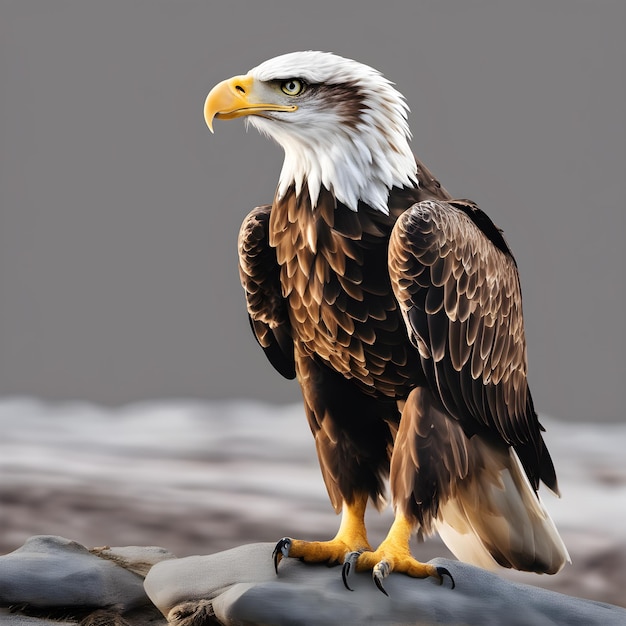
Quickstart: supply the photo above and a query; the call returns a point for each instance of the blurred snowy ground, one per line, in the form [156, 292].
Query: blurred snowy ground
[197, 477]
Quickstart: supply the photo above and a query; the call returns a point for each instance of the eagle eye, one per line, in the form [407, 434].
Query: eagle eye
[292, 87]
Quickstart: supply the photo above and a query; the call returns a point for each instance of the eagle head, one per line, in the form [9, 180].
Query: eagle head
[342, 125]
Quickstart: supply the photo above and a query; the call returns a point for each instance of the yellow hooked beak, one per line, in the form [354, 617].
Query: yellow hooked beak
[236, 97]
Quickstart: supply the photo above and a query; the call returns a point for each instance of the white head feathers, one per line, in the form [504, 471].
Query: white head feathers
[349, 133]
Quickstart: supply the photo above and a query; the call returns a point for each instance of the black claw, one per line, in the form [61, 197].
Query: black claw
[276, 559]
[345, 572]
[379, 573]
[280, 550]
[378, 579]
[349, 560]
[442, 571]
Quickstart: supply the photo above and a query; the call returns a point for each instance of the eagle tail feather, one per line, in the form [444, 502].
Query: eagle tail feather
[500, 520]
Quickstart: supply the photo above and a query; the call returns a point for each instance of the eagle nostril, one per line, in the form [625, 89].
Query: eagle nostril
[240, 89]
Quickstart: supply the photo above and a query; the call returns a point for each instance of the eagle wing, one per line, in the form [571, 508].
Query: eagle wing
[260, 277]
[458, 288]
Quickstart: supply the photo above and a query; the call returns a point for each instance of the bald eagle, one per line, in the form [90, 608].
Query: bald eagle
[398, 309]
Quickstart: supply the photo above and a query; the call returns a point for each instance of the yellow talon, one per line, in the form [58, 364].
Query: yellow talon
[393, 555]
[351, 536]
[351, 547]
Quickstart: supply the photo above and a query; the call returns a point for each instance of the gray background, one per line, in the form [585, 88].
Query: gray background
[119, 211]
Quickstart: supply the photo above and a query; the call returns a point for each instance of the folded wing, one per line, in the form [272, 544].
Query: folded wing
[458, 288]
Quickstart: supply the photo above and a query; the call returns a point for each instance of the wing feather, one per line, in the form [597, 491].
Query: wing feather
[458, 289]
[260, 277]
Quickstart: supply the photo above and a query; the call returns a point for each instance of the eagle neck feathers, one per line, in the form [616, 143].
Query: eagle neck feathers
[354, 168]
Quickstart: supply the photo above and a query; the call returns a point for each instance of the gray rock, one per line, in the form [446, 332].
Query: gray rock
[10, 619]
[239, 586]
[49, 571]
[137, 559]
[99, 617]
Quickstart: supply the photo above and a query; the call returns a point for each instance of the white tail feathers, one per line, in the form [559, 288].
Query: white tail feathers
[495, 517]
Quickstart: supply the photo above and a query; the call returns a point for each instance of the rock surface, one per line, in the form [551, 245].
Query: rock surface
[54, 581]
[53, 571]
[239, 586]
[9, 619]
[53, 577]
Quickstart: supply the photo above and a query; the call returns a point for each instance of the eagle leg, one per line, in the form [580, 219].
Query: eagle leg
[393, 555]
[351, 537]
